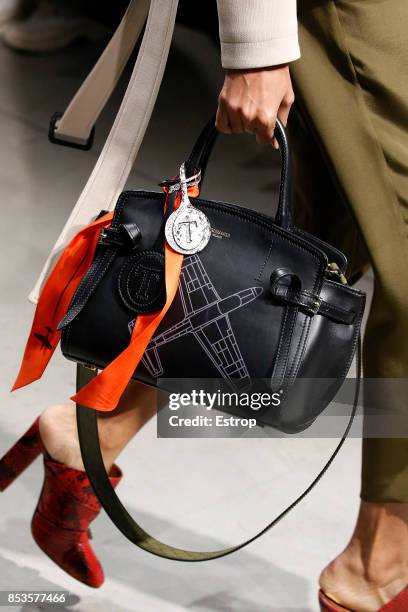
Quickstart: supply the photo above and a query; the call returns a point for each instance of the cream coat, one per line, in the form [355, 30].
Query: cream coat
[257, 33]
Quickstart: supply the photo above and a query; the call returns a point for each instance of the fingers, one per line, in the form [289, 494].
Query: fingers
[252, 100]
[283, 113]
[221, 120]
[261, 123]
[263, 126]
[237, 119]
[229, 118]
[285, 107]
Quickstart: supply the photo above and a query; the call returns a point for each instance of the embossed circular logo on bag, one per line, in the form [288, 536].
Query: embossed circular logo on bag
[141, 282]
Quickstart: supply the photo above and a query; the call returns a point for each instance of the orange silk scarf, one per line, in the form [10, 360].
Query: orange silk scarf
[105, 390]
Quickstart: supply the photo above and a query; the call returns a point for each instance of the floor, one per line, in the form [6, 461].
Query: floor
[205, 493]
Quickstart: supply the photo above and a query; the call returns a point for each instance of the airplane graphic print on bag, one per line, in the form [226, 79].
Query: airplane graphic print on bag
[206, 317]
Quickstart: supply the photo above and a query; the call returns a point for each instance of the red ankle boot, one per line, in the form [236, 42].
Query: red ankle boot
[66, 507]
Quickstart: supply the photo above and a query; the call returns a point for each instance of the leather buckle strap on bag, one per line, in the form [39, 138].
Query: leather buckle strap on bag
[95, 469]
[308, 301]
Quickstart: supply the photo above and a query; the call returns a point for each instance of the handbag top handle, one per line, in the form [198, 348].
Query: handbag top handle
[200, 154]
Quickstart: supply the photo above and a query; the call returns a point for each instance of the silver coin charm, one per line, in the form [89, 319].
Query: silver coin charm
[187, 230]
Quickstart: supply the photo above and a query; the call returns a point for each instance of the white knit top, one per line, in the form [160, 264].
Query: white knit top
[257, 33]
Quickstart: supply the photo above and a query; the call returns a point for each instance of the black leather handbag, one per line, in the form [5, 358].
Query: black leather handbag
[263, 300]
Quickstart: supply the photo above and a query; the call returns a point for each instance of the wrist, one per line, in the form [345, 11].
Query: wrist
[236, 71]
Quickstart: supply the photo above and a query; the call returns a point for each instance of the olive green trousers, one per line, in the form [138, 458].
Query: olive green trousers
[349, 134]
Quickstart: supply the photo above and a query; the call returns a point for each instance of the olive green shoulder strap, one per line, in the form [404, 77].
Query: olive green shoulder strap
[94, 466]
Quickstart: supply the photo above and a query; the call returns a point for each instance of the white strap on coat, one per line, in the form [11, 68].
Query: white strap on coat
[115, 162]
[86, 106]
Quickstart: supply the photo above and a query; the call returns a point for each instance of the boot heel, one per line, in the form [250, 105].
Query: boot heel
[20, 455]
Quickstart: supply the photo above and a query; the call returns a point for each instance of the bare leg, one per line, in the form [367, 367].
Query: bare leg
[59, 430]
[373, 568]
